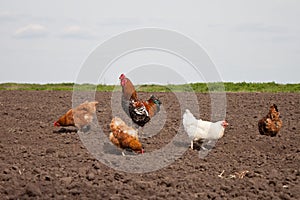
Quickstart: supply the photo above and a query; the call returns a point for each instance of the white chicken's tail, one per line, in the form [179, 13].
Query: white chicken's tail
[189, 123]
[188, 118]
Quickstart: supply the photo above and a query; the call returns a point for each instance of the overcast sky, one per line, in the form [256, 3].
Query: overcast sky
[251, 40]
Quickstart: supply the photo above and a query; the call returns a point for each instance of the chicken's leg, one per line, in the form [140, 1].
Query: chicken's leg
[139, 129]
[142, 130]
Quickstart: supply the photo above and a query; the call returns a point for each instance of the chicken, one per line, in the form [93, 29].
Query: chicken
[80, 117]
[128, 89]
[202, 130]
[124, 137]
[271, 123]
[139, 111]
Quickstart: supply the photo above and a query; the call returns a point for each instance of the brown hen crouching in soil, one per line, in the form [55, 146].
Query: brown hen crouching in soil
[124, 137]
[271, 123]
[81, 117]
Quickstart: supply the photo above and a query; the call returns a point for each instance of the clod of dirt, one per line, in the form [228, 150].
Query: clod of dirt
[14, 167]
[75, 191]
[48, 178]
[33, 190]
[96, 165]
[66, 180]
[82, 171]
[6, 171]
[50, 151]
[90, 176]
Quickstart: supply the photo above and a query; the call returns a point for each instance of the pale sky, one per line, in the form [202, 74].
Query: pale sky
[251, 40]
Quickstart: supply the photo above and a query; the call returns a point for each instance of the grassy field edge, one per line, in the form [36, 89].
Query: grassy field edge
[193, 87]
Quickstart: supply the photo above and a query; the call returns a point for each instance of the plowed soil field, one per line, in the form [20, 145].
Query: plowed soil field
[39, 161]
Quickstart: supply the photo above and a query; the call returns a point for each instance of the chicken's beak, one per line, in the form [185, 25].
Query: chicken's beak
[225, 124]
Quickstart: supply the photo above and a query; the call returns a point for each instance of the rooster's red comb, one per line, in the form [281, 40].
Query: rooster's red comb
[122, 76]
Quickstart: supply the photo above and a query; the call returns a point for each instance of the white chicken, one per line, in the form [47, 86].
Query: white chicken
[202, 130]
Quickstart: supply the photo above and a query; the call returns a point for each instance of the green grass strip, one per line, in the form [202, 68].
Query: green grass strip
[193, 87]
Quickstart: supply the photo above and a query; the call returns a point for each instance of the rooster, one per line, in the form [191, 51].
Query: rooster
[202, 130]
[80, 117]
[271, 123]
[139, 111]
[124, 137]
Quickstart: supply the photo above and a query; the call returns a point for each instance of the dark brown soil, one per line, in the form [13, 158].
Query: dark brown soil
[39, 162]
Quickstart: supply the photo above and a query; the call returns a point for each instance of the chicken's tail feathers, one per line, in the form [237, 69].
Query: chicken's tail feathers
[94, 103]
[188, 117]
[90, 102]
[188, 114]
[187, 111]
[155, 100]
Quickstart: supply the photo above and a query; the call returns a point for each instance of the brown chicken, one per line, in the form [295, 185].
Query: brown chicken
[124, 137]
[128, 89]
[139, 111]
[80, 117]
[271, 123]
